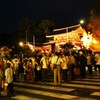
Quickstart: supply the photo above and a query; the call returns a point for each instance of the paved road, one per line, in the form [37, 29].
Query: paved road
[86, 89]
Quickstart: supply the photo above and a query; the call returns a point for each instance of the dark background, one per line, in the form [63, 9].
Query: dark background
[62, 12]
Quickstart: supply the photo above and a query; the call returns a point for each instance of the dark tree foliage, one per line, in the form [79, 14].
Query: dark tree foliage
[25, 29]
[96, 7]
[67, 46]
[28, 28]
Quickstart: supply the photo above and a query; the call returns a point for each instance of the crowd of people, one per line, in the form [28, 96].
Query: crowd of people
[61, 67]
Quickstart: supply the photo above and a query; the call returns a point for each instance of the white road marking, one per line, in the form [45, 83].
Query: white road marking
[96, 93]
[45, 93]
[46, 87]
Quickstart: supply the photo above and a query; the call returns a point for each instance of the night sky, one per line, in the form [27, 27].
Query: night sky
[62, 12]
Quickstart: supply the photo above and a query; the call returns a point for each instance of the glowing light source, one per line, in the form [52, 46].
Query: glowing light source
[21, 44]
[81, 21]
[88, 40]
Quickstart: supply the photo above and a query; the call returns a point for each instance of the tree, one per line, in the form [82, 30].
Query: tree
[5, 51]
[25, 28]
[28, 28]
[94, 22]
[94, 25]
[43, 28]
[96, 7]
[46, 27]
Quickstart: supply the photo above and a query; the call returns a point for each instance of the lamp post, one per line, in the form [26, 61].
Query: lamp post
[22, 45]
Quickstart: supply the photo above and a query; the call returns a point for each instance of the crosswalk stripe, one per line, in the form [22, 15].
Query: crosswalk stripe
[45, 93]
[96, 93]
[23, 97]
[84, 82]
[75, 90]
[91, 79]
[46, 87]
[82, 86]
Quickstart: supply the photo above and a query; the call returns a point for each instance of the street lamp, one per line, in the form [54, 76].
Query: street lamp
[21, 44]
[81, 21]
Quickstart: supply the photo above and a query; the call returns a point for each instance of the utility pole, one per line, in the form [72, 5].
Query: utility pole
[34, 41]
